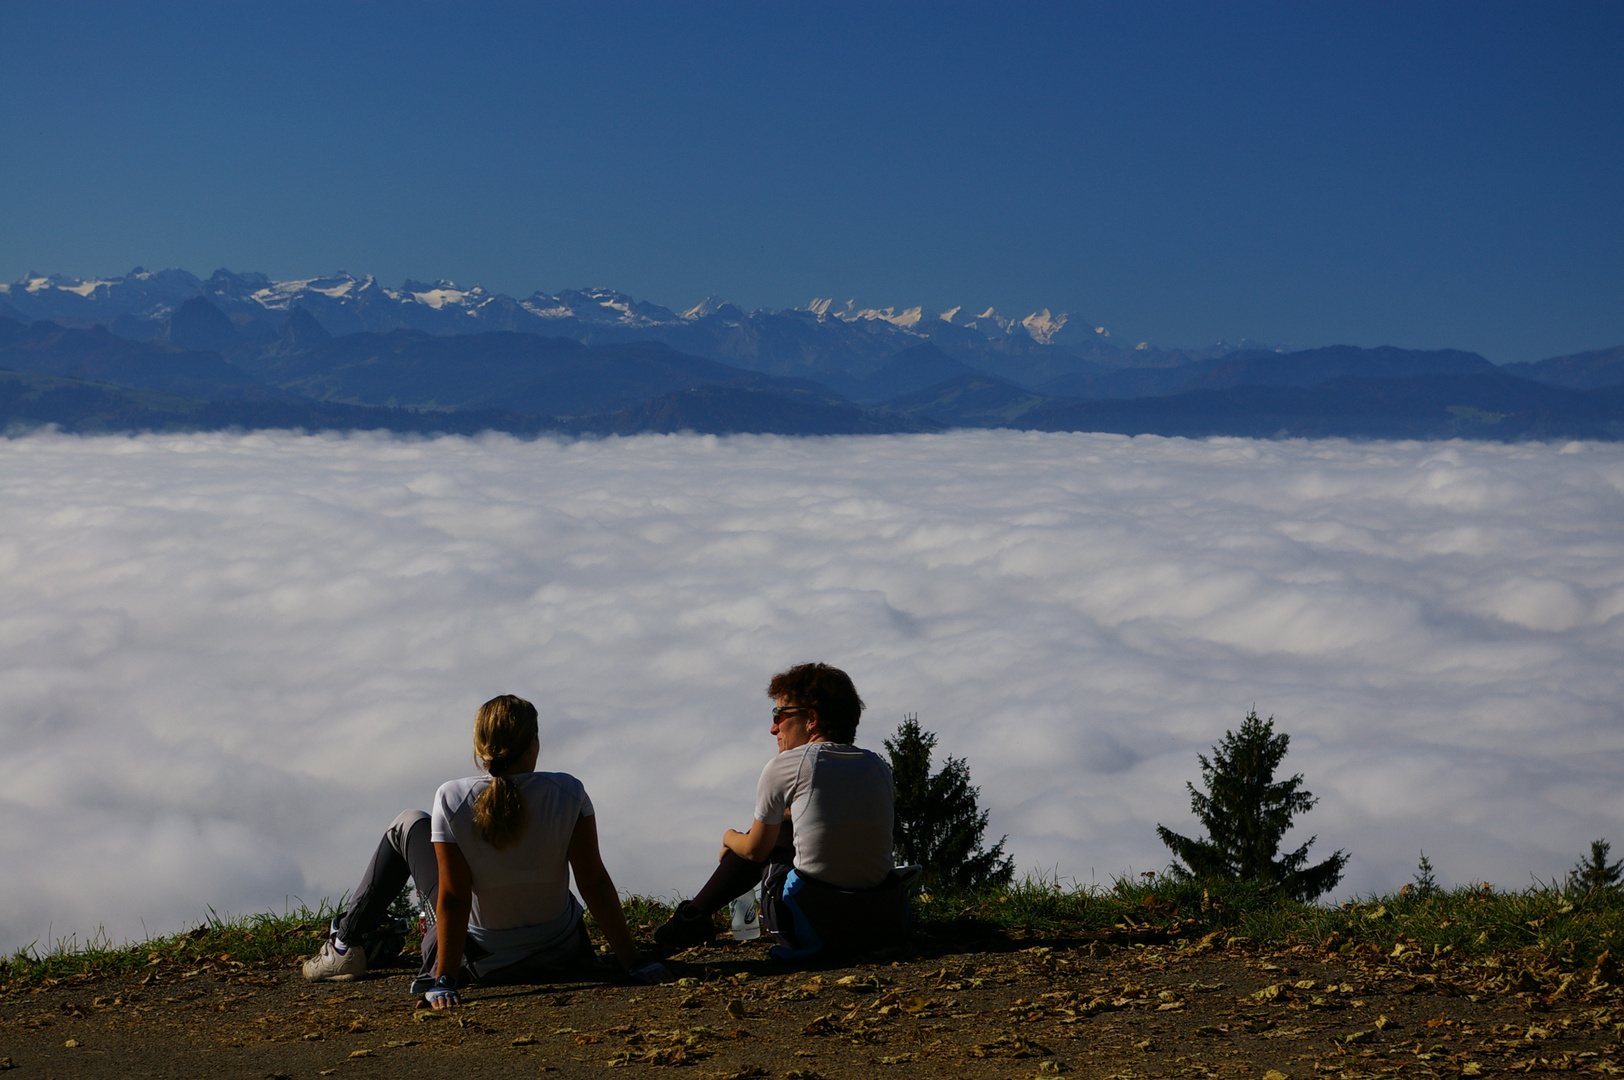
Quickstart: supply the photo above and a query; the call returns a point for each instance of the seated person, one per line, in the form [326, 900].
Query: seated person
[494, 860]
[820, 842]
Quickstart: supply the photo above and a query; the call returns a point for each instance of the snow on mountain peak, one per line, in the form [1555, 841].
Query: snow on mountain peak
[37, 283]
[279, 294]
[1044, 326]
[708, 306]
[991, 323]
[438, 295]
[346, 303]
[906, 319]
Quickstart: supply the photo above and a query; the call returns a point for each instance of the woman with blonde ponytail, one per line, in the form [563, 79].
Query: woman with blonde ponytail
[494, 859]
[503, 732]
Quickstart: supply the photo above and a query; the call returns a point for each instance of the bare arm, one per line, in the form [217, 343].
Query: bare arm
[754, 845]
[598, 891]
[451, 908]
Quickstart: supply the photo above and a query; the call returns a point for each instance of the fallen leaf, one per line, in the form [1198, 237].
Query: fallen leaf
[524, 1040]
[71, 1043]
[361, 1053]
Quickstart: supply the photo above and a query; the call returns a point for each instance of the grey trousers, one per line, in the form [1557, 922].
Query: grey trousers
[406, 851]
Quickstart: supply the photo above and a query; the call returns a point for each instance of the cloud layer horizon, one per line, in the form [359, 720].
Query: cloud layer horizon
[229, 660]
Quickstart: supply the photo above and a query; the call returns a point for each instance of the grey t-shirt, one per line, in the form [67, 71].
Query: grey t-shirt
[527, 883]
[840, 799]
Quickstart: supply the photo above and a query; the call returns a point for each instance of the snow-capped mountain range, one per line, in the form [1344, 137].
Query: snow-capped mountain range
[242, 350]
[138, 303]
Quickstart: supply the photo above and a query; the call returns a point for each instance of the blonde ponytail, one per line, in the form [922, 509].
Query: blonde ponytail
[503, 733]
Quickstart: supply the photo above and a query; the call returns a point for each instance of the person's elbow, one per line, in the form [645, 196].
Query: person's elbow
[759, 842]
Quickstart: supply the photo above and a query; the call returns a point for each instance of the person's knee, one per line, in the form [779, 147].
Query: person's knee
[401, 827]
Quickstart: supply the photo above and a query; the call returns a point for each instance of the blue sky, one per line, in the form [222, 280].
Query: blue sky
[1420, 175]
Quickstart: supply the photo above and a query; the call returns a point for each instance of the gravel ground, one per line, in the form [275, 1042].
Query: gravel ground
[1187, 1009]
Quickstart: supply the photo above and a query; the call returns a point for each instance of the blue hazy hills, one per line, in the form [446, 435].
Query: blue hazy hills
[245, 356]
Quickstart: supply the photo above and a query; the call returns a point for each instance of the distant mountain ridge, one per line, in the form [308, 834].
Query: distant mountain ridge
[820, 339]
[241, 350]
[345, 304]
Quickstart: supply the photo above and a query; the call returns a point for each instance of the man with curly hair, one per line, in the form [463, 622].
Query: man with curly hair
[819, 844]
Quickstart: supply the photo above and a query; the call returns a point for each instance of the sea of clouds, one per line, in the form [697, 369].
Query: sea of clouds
[227, 661]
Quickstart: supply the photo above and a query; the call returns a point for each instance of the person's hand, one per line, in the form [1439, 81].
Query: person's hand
[650, 973]
[443, 994]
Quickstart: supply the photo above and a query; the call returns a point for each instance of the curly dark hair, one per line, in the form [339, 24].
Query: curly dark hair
[826, 689]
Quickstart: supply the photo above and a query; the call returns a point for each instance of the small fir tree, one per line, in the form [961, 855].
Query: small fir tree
[404, 905]
[937, 823]
[1246, 813]
[1593, 872]
[1426, 883]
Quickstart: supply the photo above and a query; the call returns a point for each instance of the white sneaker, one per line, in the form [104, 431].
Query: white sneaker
[330, 965]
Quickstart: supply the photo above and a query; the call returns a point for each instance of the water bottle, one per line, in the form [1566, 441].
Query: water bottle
[746, 920]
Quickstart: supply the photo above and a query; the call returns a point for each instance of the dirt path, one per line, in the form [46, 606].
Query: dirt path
[1073, 1008]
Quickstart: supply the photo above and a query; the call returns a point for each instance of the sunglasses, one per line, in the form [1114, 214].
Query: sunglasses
[780, 710]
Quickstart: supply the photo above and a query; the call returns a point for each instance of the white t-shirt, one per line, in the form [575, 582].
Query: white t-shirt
[840, 800]
[529, 882]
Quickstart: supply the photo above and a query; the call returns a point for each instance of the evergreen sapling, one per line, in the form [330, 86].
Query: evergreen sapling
[1426, 882]
[1593, 871]
[1246, 813]
[937, 824]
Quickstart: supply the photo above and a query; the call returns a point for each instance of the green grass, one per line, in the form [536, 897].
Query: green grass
[1545, 925]
[220, 944]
